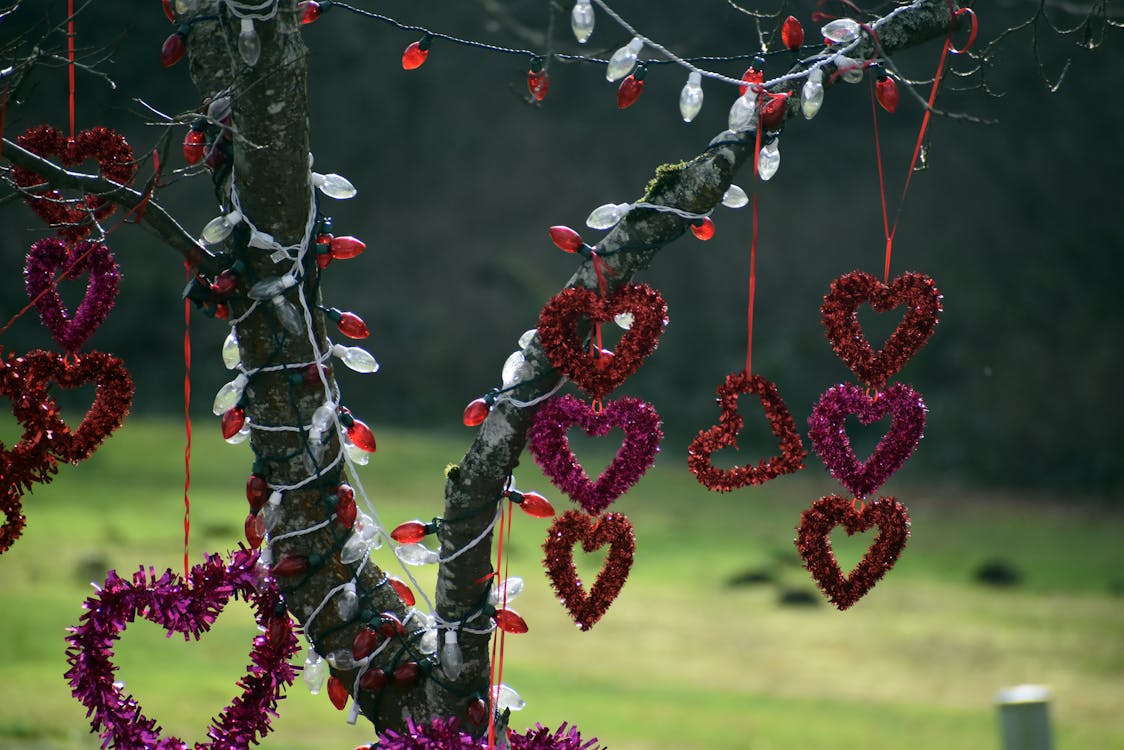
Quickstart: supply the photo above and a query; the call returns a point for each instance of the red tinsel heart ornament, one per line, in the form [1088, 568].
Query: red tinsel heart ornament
[571, 527]
[12, 508]
[839, 314]
[189, 608]
[551, 448]
[725, 435]
[51, 255]
[562, 343]
[112, 400]
[29, 461]
[115, 160]
[813, 541]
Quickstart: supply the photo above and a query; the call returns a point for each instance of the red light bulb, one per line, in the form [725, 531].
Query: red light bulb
[476, 412]
[751, 76]
[346, 511]
[603, 359]
[225, 283]
[407, 674]
[566, 239]
[232, 422]
[410, 532]
[257, 491]
[886, 90]
[255, 530]
[536, 506]
[703, 229]
[509, 621]
[168, 10]
[773, 111]
[360, 434]
[365, 643]
[222, 312]
[630, 90]
[337, 691]
[391, 626]
[405, 593]
[792, 34]
[538, 83]
[342, 248]
[194, 145]
[352, 326]
[309, 10]
[277, 630]
[373, 680]
[477, 712]
[290, 566]
[415, 54]
[173, 50]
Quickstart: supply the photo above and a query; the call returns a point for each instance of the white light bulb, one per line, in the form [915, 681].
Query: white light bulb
[416, 554]
[526, 338]
[342, 660]
[229, 395]
[354, 550]
[220, 227]
[511, 367]
[242, 435]
[849, 70]
[269, 288]
[355, 454]
[811, 96]
[288, 315]
[769, 160]
[356, 358]
[428, 643]
[734, 197]
[347, 602]
[505, 697]
[582, 20]
[607, 215]
[506, 591]
[691, 97]
[624, 320]
[249, 44]
[624, 60]
[743, 113]
[315, 672]
[841, 30]
[452, 662]
[334, 186]
[231, 356]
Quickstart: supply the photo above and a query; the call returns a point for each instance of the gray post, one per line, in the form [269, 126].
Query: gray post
[1024, 719]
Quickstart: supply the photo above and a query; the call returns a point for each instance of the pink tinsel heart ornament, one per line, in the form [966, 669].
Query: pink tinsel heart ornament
[51, 255]
[189, 608]
[551, 448]
[830, 441]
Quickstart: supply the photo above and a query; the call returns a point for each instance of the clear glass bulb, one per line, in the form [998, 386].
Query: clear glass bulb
[356, 358]
[334, 186]
[511, 367]
[428, 643]
[269, 288]
[368, 530]
[510, 588]
[526, 338]
[185, 6]
[249, 44]
[231, 356]
[624, 320]
[743, 113]
[734, 197]
[582, 20]
[841, 30]
[769, 160]
[811, 97]
[505, 697]
[624, 60]
[242, 435]
[850, 70]
[452, 662]
[229, 395]
[288, 315]
[347, 602]
[315, 672]
[691, 97]
[220, 227]
[355, 454]
[342, 660]
[354, 550]
[607, 216]
[416, 554]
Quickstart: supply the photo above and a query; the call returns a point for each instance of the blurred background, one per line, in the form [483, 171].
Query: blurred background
[1013, 572]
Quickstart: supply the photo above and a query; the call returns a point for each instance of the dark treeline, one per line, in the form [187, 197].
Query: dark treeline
[459, 177]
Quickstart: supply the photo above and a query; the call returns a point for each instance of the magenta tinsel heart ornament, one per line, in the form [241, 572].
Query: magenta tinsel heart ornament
[814, 544]
[551, 447]
[53, 255]
[189, 608]
[830, 441]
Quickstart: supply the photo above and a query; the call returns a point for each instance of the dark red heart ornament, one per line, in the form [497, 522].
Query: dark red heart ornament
[112, 400]
[839, 314]
[14, 520]
[51, 255]
[571, 527]
[813, 541]
[115, 160]
[189, 608]
[829, 438]
[551, 448]
[559, 334]
[725, 435]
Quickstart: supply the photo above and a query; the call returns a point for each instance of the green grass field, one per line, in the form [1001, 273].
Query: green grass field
[684, 659]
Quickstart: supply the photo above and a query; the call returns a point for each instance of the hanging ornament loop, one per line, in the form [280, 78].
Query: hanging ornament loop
[972, 32]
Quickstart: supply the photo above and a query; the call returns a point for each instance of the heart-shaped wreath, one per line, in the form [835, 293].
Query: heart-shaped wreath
[829, 438]
[813, 541]
[571, 527]
[51, 255]
[551, 447]
[592, 371]
[115, 160]
[190, 608]
[112, 400]
[725, 435]
[839, 314]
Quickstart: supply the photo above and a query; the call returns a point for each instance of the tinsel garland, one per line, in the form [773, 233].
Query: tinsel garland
[189, 608]
[725, 435]
[571, 527]
[599, 372]
[445, 734]
[115, 161]
[813, 541]
[51, 255]
[550, 447]
[839, 314]
[830, 440]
